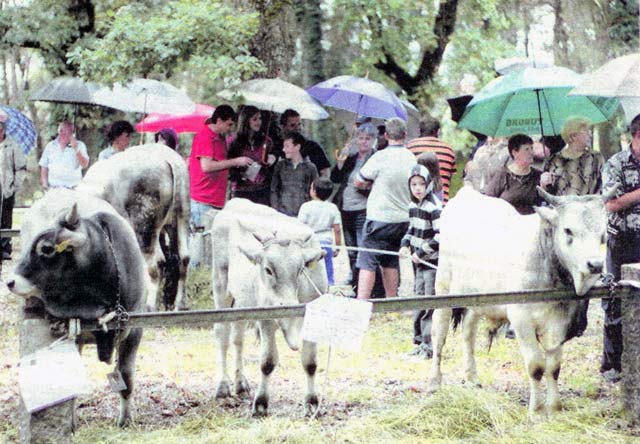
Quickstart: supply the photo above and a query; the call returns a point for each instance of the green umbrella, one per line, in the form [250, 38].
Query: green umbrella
[532, 101]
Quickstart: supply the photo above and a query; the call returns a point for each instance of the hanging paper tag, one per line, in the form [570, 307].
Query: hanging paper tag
[52, 375]
[116, 383]
[337, 321]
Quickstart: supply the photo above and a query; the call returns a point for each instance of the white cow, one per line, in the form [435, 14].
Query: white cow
[486, 247]
[149, 186]
[262, 258]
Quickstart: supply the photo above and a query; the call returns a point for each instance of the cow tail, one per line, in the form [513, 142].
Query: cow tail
[458, 316]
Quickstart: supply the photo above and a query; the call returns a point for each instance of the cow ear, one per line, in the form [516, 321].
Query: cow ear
[548, 214]
[311, 255]
[254, 256]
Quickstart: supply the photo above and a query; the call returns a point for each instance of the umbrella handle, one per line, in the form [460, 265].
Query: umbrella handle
[339, 157]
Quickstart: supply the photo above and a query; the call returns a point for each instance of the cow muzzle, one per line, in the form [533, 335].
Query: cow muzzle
[22, 287]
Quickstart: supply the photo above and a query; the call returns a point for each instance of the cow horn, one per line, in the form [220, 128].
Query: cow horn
[71, 218]
[611, 193]
[312, 255]
[550, 198]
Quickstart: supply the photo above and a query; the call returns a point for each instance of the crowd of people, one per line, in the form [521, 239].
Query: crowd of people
[382, 198]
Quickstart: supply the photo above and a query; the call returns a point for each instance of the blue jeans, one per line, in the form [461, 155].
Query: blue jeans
[328, 261]
[197, 210]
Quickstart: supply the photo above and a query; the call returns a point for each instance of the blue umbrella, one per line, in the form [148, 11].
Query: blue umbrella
[361, 96]
[19, 127]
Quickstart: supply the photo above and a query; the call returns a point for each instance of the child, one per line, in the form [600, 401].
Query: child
[430, 161]
[292, 177]
[421, 242]
[324, 219]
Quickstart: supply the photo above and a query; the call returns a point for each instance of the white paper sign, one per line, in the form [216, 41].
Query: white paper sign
[337, 321]
[52, 375]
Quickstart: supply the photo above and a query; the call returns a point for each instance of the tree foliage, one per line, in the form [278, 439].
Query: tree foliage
[147, 42]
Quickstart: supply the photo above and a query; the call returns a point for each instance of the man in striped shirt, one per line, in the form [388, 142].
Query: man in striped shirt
[429, 142]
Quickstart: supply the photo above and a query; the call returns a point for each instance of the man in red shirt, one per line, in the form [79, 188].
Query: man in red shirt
[429, 142]
[209, 166]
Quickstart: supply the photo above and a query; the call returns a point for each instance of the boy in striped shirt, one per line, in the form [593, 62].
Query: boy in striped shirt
[421, 244]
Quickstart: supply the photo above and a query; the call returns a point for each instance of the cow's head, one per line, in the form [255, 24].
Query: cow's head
[284, 268]
[576, 227]
[42, 266]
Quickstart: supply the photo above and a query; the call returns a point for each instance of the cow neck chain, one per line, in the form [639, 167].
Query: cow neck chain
[120, 311]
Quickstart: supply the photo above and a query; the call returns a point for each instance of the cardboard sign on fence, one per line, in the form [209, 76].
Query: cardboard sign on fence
[337, 321]
[52, 375]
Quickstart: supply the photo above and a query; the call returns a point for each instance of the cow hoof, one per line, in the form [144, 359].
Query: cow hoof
[434, 385]
[554, 407]
[311, 405]
[124, 421]
[223, 390]
[260, 406]
[242, 386]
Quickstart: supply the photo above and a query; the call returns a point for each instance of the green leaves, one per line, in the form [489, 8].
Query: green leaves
[153, 42]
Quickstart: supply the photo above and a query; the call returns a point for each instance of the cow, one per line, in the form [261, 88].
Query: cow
[262, 258]
[498, 250]
[149, 186]
[81, 259]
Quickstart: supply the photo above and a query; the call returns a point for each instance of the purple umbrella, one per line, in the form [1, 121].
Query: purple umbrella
[361, 96]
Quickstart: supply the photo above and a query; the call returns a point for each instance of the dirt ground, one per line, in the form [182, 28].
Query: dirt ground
[176, 378]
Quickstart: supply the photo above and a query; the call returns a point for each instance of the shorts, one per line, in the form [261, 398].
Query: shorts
[381, 236]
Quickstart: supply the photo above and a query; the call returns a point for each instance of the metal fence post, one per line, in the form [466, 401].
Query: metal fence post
[631, 345]
[54, 424]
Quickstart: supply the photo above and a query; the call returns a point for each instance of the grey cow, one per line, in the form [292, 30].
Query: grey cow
[81, 258]
[149, 186]
[262, 258]
[500, 251]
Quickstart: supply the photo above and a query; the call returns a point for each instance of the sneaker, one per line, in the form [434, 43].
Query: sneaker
[612, 375]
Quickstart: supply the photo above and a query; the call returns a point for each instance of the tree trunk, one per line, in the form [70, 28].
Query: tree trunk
[273, 44]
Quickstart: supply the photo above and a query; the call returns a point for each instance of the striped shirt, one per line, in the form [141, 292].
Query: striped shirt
[445, 154]
[422, 235]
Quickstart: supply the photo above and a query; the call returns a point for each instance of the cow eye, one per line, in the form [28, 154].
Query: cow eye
[269, 271]
[568, 232]
[46, 249]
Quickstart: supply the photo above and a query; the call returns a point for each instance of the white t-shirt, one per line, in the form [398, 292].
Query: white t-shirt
[64, 168]
[389, 171]
[320, 216]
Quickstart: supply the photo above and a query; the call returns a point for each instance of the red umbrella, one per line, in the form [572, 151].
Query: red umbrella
[182, 123]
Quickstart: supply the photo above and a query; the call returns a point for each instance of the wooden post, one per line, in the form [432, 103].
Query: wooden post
[631, 345]
[54, 424]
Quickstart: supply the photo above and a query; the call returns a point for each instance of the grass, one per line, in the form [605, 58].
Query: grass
[376, 395]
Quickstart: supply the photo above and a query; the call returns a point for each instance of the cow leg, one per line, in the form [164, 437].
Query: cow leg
[268, 362]
[469, 329]
[154, 277]
[552, 373]
[439, 331]
[308, 357]
[241, 385]
[534, 363]
[182, 234]
[221, 332]
[127, 350]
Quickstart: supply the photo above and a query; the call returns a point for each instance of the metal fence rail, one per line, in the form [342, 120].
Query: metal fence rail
[199, 318]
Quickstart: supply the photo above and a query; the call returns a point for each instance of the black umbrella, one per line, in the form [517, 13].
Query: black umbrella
[71, 90]
[458, 105]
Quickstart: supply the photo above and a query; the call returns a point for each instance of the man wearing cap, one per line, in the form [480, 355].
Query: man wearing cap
[429, 142]
[13, 170]
[63, 159]
[386, 173]
[209, 166]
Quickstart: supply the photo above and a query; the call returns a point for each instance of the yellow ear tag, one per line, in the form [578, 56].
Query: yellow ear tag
[312, 265]
[62, 246]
